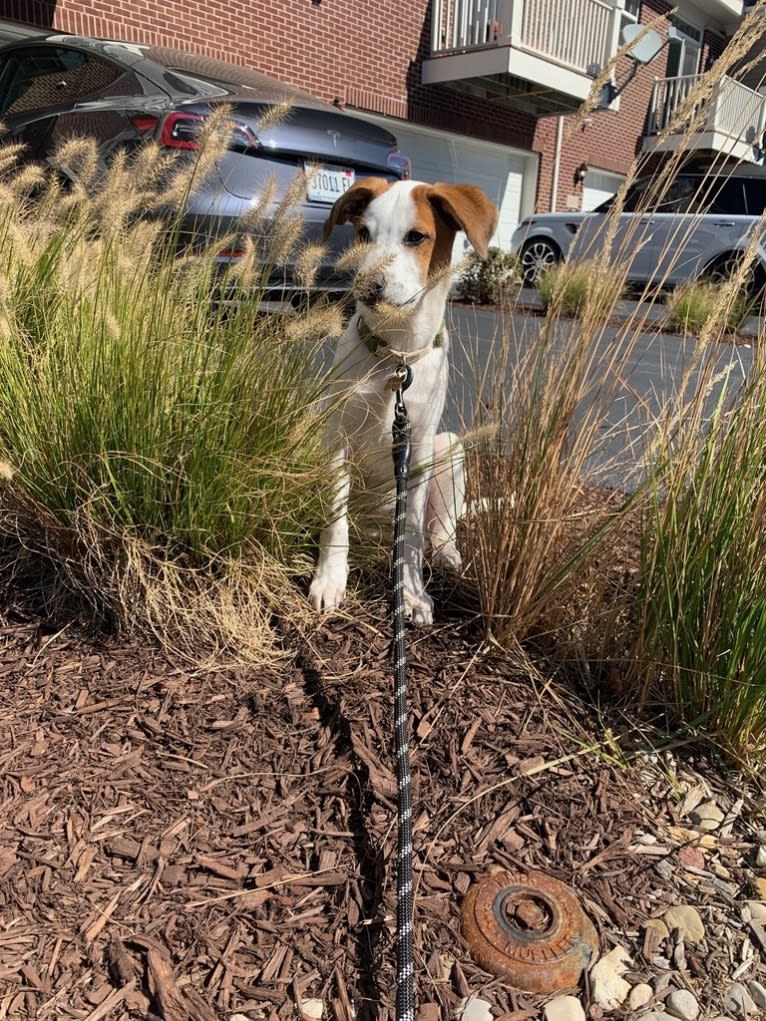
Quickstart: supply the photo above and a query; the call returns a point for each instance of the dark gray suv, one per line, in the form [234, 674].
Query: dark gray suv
[55, 87]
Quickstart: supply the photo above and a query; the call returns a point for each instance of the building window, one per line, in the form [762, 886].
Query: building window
[684, 49]
[631, 12]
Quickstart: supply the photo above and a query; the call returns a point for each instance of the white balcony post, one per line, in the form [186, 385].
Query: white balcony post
[436, 26]
[509, 14]
[612, 41]
[653, 124]
[761, 122]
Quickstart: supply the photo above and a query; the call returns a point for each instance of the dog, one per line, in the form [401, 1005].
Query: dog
[405, 233]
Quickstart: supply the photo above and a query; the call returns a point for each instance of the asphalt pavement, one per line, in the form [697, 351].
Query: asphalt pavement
[635, 376]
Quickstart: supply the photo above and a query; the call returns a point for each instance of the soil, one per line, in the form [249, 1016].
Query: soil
[210, 844]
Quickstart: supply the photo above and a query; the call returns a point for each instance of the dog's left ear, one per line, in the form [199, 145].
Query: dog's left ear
[469, 209]
[354, 202]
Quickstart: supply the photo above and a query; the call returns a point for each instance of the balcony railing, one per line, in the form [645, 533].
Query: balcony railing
[734, 111]
[580, 37]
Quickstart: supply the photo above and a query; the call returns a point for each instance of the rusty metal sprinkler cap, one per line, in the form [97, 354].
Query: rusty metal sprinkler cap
[529, 929]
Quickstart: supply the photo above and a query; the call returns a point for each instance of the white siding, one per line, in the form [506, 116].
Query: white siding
[599, 185]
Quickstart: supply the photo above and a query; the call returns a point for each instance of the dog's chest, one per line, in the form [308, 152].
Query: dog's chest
[368, 412]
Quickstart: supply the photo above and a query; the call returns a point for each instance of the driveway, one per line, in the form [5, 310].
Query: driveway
[653, 369]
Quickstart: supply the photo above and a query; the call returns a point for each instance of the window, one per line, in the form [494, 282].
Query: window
[46, 76]
[755, 195]
[631, 12]
[684, 49]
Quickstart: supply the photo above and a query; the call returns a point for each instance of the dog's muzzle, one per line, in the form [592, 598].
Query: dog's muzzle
[369, 289]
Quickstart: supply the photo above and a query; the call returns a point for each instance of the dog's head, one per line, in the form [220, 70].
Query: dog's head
[410, 228]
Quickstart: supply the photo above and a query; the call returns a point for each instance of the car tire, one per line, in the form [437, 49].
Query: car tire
[537, 255]
[724, 268]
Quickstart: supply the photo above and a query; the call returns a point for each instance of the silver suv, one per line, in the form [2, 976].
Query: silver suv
[699, 226]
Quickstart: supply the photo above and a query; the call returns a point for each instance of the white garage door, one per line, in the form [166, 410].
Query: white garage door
[599, 185]
[508, 176]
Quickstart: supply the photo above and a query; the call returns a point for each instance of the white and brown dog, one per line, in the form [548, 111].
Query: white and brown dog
[401, 287]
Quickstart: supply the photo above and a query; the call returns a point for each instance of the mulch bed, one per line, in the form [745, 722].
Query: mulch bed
[184, 844]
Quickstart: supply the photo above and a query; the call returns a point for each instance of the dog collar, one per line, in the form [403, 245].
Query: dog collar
[380, 348]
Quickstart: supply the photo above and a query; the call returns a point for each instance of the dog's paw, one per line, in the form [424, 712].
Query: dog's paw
[447, 556]
[418, 608]
[328, 589]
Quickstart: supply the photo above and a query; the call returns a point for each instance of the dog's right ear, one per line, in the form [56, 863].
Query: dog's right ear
[353, 202]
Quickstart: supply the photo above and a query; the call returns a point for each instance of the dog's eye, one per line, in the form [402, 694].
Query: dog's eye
[363, 235]
[415, 237]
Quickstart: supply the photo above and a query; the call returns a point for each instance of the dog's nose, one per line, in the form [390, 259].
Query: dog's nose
[370, 291]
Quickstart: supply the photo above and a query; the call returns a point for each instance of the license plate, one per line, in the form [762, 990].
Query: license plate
[326, 184]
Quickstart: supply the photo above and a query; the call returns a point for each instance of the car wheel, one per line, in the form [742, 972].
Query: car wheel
[724, 268]
[536, 257]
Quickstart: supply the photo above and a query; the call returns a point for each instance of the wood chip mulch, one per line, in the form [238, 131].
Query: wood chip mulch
[178, 844]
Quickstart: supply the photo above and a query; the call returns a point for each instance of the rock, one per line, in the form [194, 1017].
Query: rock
[757, 911]
[759, 885]
[639, 995]
[698, 839]
[473, 1008]
[607, 986]
[665, 868]
[760, 857]
[758, 993]
[312, 1009]
[659, 925]
[691, 856]
[564, 1008]
[685, 917]
[658, 1015]
[708, 816]
[737, 1000]
[681, 1003]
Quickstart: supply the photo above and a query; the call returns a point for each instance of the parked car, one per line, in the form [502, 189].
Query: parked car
[54, 87]
[698, 226]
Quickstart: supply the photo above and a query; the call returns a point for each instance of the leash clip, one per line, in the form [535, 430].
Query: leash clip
[400, 429]
[401, 378]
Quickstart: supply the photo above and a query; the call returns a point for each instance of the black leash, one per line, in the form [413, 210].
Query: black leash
[405, 968]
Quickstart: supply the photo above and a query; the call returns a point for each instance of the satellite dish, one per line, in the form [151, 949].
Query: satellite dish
[647, 48]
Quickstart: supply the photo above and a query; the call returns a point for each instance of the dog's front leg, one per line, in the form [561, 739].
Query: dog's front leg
[328, 587]
[418, 604]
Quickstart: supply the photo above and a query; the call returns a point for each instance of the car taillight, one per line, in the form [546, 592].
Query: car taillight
[181, 131]
[401, 165]
[145, 123]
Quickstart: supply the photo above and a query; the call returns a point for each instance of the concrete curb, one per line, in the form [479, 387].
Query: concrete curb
[650, 312]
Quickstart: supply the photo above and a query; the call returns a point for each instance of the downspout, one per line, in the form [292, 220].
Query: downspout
[557, 162]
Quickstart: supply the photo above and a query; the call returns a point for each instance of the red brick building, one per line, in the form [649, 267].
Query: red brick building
[479, 90]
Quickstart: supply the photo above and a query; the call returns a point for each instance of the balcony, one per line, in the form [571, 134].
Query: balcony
[540, 54]
[734, 122]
